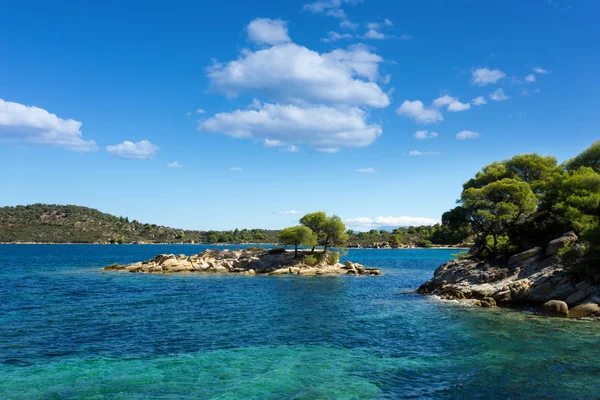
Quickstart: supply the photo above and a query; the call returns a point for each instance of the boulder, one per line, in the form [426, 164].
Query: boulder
[590, 309]
[556, 308]
[487, 302]
[524, 255]
[555, 245]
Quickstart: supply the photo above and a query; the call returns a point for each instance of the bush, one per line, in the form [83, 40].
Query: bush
[424, 243]
[583, 259]
[277, 250]
[462, 255]
[254, 248]
[333, 258]
[311, 259]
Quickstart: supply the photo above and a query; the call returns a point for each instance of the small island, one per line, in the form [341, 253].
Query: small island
[316, 228]
[252, 261]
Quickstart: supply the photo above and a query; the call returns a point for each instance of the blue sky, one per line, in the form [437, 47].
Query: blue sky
[217, 115]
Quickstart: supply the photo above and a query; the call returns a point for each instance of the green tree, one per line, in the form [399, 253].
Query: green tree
[297, 236]
[496, 208]
[315, 221]
[334, 232]
[590, 157]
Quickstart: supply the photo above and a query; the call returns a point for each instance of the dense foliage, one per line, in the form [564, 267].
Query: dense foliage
[529, 200]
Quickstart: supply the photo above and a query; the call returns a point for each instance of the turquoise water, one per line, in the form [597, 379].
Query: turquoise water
[69, 330]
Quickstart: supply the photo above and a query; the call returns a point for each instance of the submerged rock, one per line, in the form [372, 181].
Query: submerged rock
[242, 262]
[556, 308]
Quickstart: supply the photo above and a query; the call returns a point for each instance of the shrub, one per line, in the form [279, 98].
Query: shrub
[424, 243]
[277, 250]
[333, 258]
[462, 255]
[254, 248]
[311, 259]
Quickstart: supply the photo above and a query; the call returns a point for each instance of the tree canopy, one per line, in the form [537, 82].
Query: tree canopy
[297, 236]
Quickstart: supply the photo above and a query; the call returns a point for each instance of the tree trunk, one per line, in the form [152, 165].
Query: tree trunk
[296, 251]
[313, 250]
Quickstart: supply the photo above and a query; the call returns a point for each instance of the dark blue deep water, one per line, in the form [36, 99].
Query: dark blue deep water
[69, 330]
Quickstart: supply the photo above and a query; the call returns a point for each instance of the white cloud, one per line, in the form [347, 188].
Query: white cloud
[328, 150]
[373, 34]
[485, 76]
[422, 135]
[296, 74]
[452, 103]
[174, 164]
[348, 25]
[373, 223]
[386, 79]
[423, 153]
[464, 135]
[268, 31]
[498, 95]
[35, 125]
[140, 150]
[540, 70]
[366, 170]
[273, 143]
[530, 78]
[387, 22]
[293, 149]
[289, 212]
[479, 101]
[320, 127]
[420, 113]
[405, 37]
[235, 169]
[334, 37]
[200, 111]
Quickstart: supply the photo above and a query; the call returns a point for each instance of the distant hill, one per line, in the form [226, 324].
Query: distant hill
[51, 223]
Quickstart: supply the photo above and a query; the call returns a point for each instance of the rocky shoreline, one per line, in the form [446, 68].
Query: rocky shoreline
[534, 277]
[245, 262]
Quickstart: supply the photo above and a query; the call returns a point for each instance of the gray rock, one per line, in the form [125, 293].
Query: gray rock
[527, 254]
[555, 245]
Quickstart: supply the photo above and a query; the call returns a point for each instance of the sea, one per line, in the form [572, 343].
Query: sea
[69, 330]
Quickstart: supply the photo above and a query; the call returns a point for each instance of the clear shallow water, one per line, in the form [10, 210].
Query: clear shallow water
[70, 330]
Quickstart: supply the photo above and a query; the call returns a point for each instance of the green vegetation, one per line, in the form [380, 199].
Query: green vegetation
[529, 200]
[45, 223]
[298, 236]
[311, 259]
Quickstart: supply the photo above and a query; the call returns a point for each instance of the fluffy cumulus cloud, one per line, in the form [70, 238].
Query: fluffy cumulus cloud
[374, 35]
[422, 135]
[498, 95]
[268, 31]
[421, 114]
[540, 70]
[530, 78]
[174, 164]
[332, 8]
[366, 223]
[479, 101]
[31, 124]
[368, 170]
[486, 76]
[296, 74]
[466, 135]
[451, 103]
[321, 127]
[141, 150]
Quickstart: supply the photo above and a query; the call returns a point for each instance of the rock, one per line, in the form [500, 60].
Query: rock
[524, 255]
[556, 308]
[590, 309]
[487, 302]
[555, 245]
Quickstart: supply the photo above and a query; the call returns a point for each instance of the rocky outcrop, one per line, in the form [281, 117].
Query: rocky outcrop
[533, 277]
[242, 262]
